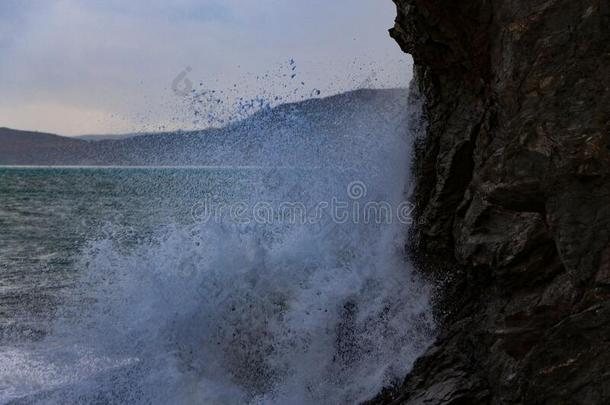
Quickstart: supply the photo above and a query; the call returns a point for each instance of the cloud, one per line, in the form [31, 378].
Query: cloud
[119, 57]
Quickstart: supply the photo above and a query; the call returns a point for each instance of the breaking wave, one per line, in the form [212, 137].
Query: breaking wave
[229, 313]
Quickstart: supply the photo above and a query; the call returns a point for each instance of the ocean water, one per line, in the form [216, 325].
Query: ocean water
[207, 286]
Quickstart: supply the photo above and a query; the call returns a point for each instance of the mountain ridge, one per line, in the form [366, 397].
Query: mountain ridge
[292, 126]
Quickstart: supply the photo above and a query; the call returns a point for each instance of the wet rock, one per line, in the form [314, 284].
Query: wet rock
[513, 199]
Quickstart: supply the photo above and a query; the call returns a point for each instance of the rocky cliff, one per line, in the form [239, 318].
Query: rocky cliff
[513, 199]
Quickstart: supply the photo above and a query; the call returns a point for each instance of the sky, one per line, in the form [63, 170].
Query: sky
[76, 67]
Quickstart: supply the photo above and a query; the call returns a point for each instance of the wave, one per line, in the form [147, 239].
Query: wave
[258, 313]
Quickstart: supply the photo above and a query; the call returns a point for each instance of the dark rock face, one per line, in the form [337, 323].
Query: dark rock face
[513, 200]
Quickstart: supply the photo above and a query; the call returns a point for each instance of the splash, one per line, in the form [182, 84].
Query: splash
[233, 314]
[230, 313]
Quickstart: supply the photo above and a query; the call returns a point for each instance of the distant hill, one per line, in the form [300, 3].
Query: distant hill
[101, 137]
[37, 148]
[307, 133]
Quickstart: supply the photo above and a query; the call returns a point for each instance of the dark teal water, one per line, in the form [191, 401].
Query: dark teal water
[47, 215]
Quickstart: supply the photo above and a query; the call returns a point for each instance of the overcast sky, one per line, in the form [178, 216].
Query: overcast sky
[110, 66]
